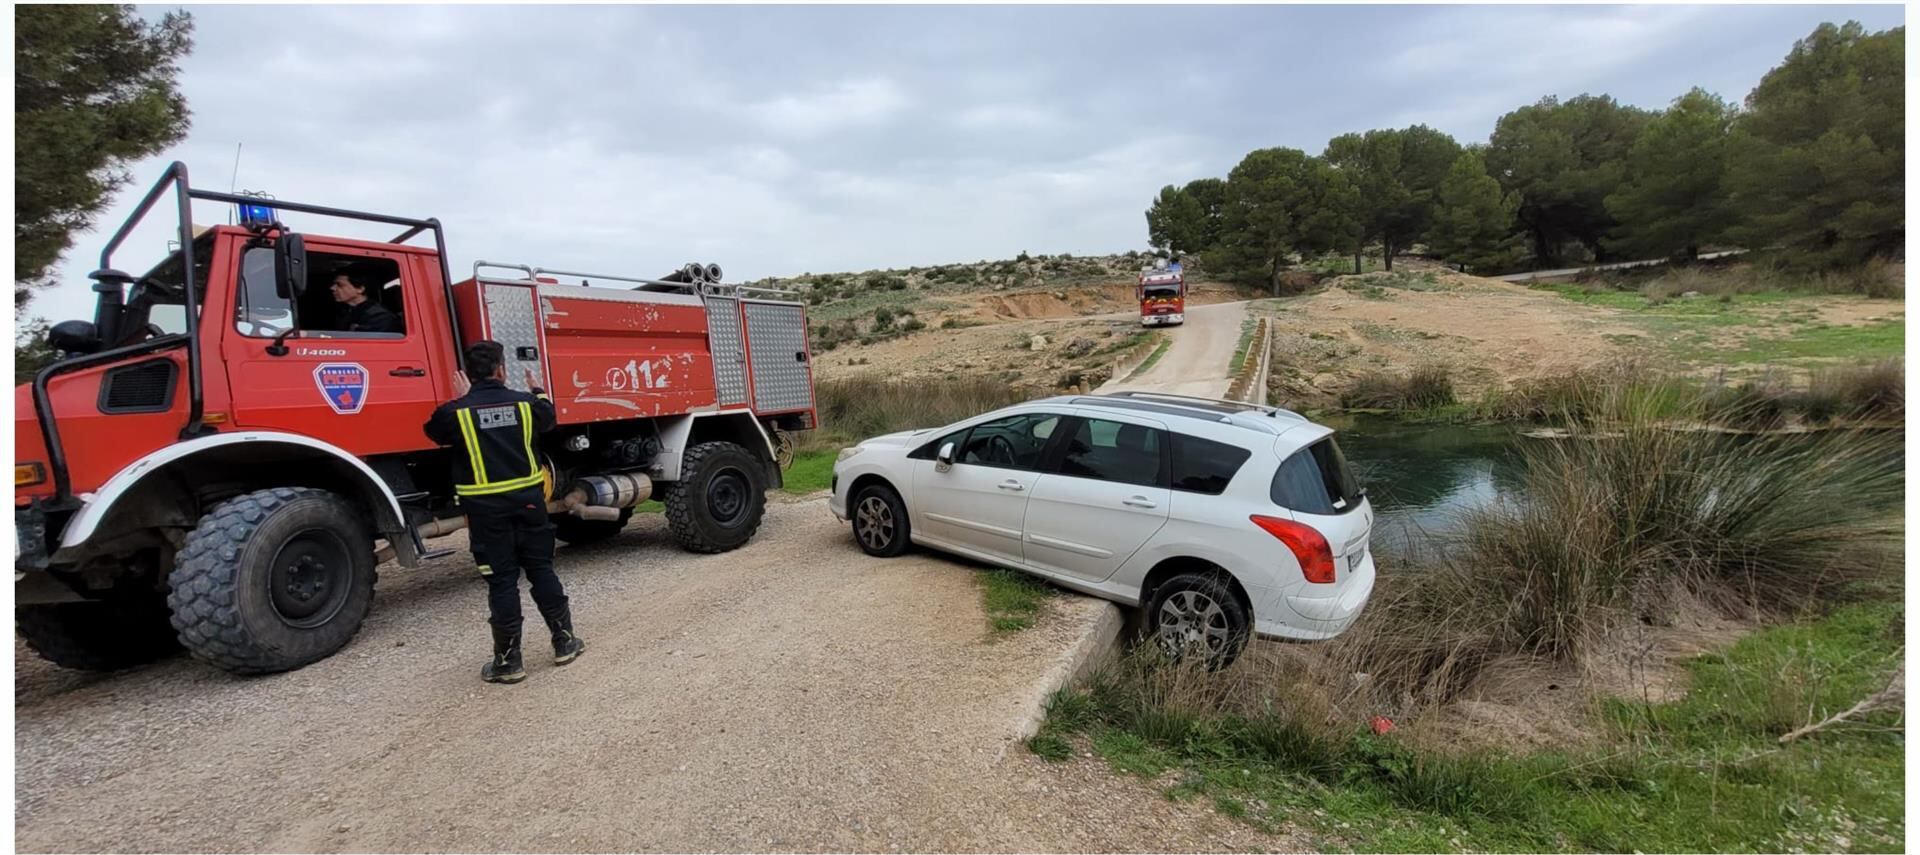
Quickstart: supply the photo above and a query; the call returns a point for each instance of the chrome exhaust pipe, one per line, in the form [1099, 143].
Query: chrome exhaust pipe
[603, 497]
[594, 497]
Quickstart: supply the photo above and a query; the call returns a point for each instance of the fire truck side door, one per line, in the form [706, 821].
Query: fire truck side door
[367, 393]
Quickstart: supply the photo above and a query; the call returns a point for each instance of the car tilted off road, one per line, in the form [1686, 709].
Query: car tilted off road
[1220, 520]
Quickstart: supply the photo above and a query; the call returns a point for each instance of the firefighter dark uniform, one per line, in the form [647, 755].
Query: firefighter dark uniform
[370, 316]
[498, 482]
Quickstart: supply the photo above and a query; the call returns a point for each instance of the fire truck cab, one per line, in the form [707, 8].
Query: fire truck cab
[218, 462]
[1163, 295]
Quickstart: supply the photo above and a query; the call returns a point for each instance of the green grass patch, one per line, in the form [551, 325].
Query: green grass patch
[1704, 773]
[1248, 325]
[1013, 600]
[1873, 341]
[1051, 747]
[650, 506]
[1683, 328]
[1152, 358]
[811, 472]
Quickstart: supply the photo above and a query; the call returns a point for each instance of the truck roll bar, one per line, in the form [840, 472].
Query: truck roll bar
[176, 178]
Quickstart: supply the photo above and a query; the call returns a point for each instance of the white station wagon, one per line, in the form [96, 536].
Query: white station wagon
[1220, 519]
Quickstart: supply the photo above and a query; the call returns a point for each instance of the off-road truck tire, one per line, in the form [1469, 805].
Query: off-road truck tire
[717, 504]
[273, 580]
[577, 531]
[99, 636]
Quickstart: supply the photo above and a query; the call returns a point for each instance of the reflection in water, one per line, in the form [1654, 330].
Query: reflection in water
[1419, 477]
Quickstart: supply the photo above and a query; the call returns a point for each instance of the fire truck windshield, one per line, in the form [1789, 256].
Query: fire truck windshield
[158, 298]
[1161, 292]
[165, 276]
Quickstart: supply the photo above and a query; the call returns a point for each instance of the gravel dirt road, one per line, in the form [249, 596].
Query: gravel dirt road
[1199, 360]
[793, 695]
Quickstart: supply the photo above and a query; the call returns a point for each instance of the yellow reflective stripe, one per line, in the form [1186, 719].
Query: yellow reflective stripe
[534, 480]
[486, 570]
[526, 432]
[473, 446]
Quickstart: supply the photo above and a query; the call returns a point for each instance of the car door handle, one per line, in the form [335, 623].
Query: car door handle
[1012, 485]
[1139, 502]
[407, 372]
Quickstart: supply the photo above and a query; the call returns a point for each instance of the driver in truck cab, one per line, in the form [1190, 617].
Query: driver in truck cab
[361, 313]
[498, 482]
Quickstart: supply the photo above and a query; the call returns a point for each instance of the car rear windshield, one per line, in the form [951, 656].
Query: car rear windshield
[1204, 466]
[1316, 480]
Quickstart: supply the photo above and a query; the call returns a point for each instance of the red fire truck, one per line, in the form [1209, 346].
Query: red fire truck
[1163, 295]
[215, 463]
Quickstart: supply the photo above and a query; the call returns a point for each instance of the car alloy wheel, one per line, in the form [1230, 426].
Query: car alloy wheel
[1190, 621]
[875, 522]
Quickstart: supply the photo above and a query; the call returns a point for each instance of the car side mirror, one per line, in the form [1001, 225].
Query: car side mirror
[290, 266]
[943, 459]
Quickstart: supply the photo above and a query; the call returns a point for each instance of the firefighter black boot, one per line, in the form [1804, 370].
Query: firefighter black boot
[505, 666]
[566, 646]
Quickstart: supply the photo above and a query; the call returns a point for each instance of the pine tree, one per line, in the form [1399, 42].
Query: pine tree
[1473, 220]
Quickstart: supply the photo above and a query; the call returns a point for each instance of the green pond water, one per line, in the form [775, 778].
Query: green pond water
[1418, 477]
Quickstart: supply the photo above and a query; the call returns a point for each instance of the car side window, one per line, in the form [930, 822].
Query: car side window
[1115, 451]
[1316, 480]
[1205, 466]
[1014, 442]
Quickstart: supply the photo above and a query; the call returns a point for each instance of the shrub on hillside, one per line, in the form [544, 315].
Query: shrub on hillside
[1422, 389]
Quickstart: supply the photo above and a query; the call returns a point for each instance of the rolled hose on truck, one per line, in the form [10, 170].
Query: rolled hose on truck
[593, 497]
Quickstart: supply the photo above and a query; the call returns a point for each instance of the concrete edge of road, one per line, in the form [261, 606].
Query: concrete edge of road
[1125, 363]
[1098, 638]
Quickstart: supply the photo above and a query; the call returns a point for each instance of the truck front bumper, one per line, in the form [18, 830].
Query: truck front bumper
[30, 552]
[1163, 320]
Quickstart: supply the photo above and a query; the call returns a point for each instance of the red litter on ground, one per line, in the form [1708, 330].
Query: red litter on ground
[1382, 724]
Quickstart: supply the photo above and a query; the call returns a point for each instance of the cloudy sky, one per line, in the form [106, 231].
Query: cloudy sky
[781, 140]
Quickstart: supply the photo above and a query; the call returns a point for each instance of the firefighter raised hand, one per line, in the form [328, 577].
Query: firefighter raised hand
[499, 484]
[461, 385]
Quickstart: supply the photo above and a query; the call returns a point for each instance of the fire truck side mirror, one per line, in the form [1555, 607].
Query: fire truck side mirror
[290, 266]
[74, 337]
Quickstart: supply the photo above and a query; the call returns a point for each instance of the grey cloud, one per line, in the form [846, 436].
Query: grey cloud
[777, 140]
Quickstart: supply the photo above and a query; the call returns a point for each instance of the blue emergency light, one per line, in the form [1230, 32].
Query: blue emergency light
[256, 215]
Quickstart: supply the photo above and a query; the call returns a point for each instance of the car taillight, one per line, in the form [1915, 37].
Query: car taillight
[1316, 558]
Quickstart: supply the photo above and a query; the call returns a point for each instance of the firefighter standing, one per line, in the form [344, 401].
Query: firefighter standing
[499, 483]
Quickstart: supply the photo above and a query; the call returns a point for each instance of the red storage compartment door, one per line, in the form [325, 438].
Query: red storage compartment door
[618, 354]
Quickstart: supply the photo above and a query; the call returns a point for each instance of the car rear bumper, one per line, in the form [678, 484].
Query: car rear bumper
[1297, 614]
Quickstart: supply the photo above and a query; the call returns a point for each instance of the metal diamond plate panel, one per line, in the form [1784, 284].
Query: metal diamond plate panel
[777, 343]
[513, 320]
[729, 353]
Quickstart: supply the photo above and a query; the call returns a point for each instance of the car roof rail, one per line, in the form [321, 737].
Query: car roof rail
[1215, 403]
